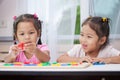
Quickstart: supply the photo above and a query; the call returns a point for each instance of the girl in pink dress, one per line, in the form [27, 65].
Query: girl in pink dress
[27, 30]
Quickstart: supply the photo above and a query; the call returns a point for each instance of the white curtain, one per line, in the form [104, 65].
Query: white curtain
[84, 9]
[21, 7]
[59, 18]
[62, 16]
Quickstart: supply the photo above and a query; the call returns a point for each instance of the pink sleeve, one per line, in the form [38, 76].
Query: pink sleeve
[43, 47]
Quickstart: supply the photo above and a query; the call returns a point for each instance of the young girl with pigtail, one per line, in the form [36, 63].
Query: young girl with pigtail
[27, 47]
[94, 44]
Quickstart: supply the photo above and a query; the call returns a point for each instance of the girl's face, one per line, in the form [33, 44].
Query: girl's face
[89, 40]
[26, 32]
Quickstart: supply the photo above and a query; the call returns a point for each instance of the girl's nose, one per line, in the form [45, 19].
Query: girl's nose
[27, 36]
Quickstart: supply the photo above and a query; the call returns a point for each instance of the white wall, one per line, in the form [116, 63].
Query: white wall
[7, 11]
[40, 7]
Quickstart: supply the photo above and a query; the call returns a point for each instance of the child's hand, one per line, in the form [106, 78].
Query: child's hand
[14, 50]
[86, 59]
[21, 46]
[103, 60]
[30, 47]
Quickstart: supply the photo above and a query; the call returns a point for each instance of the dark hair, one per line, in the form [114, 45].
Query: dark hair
[28, 18]
[100, 25]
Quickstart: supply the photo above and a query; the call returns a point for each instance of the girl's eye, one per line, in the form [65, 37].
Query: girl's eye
[32, 32]
[81, 35]
[89, 37]
[22, 34]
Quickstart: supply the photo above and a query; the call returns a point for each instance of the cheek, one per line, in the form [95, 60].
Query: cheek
[34, 38]
[81, 39]
[92, 42]
[20, 40]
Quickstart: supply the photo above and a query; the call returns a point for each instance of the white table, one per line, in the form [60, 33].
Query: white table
[93, 72]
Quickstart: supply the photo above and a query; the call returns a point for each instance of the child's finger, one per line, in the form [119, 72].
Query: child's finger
[30, 44]
[89, 59]
[96, 60]
[21, 46]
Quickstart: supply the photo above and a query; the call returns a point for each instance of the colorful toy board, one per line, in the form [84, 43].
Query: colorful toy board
[46, 65]
[98, 63]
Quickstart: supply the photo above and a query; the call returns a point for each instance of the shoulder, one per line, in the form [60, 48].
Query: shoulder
[109, 48]
[110, 51]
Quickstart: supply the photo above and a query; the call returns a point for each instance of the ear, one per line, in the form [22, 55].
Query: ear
[102, 40]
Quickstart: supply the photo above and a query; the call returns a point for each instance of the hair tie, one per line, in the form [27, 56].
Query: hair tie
[104, 19]
[35, 15]
[14, 17]
[90, 17]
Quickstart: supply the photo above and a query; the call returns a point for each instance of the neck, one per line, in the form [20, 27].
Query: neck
[93, 54]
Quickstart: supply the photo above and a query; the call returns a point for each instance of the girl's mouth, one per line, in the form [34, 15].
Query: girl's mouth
[84, 46]
[28, 42]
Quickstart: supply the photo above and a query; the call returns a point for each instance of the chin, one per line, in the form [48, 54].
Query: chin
[85, 50]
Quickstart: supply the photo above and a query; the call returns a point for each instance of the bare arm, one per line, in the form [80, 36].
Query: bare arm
[115, 60]
[42, 56]
[111, 60]
[12, 54]
[9, 58]
[66, 58]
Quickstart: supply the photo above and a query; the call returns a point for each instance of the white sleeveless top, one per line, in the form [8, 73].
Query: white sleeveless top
[108, 51]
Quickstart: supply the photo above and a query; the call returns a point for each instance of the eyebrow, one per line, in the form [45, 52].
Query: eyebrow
[29, 30]
[88, 33]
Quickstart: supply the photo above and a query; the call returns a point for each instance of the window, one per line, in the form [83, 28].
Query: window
[77, 26]
[110, 9]
[69, 27]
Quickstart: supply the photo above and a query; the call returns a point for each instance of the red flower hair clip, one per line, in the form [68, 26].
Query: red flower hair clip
[14, 17]
[35, 15]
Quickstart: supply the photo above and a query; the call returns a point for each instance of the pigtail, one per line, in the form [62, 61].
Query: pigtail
[14, 40]
[39, 41]
[40, 28]
[106, 28]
